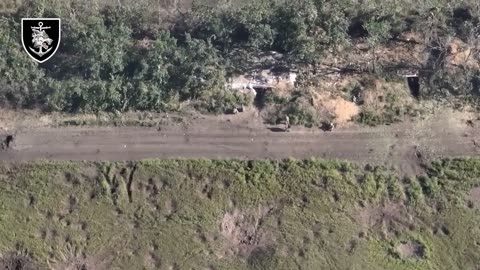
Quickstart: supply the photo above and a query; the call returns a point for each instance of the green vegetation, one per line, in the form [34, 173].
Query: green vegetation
[201, 214]
[135, 56]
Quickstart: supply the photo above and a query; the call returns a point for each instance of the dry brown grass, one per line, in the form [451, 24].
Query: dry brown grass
[335, 107]
[461, 54]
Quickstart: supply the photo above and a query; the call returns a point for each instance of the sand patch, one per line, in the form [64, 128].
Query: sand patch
[340, 109]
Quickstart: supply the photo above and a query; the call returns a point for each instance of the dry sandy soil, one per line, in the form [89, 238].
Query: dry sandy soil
[244, 136]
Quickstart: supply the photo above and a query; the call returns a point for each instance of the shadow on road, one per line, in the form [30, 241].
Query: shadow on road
[276, 129]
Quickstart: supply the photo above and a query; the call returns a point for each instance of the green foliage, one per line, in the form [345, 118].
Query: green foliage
[368, 117]
[199, 70]
[126, 57]
[327, 214]
[222, 101]
[298, 108]
[378, 31]
[293, 22]
[459, 83]
[100, 49]
[429, 186]
[392, 112]
[21, 79]
[414, 191]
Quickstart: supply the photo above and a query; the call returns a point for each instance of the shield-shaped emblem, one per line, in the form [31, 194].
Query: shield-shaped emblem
[41, 37]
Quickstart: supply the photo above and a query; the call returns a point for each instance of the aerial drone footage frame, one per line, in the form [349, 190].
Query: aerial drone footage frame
[239, 135]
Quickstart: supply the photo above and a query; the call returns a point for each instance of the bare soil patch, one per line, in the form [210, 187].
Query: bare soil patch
[340, 109]
[17, 261]
[152, 260]
[72, 260]
[475, 195]
[461, 54]
[242, 231]
[410, 250]
[387, 218]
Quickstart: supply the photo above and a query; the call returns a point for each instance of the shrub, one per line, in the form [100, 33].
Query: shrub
[429, 186]
[124, 57]
[413, 191]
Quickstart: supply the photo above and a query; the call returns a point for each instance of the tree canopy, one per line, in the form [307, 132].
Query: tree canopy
[124, 57]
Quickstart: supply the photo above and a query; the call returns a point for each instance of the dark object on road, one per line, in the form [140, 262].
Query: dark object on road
[470, 123]
[327, 126]
[7, 142]
[276, 129]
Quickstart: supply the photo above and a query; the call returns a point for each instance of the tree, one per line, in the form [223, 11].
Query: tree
[378, 32]
[21, 78]
[95, 51]
[333, 21]
[294, 24]
[153, 73]
[198, 69]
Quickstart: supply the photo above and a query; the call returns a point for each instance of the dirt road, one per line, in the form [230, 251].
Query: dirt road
[404, 145]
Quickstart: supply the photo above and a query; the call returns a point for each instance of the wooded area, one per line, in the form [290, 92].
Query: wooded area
[156, 55]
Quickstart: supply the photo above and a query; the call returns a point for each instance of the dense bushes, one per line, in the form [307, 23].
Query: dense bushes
[119, 58]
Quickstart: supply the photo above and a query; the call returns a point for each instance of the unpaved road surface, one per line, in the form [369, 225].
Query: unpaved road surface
[404, 145]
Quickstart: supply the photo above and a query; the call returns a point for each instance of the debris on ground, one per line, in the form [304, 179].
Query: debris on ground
[327, 126]
[7, 142]
[287, 124]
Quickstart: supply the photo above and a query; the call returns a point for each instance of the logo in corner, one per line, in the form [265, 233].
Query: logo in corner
[41, 37]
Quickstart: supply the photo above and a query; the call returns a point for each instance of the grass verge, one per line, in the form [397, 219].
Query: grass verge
[203, 214]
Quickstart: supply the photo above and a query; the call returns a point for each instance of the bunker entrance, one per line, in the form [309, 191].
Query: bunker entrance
[260, 98]
[413, 83]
